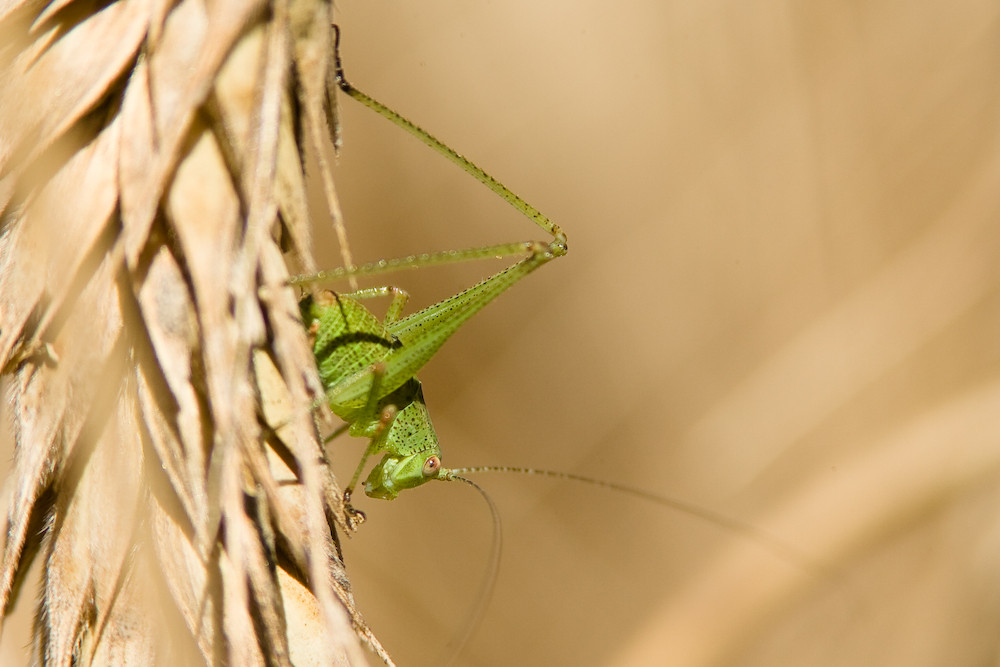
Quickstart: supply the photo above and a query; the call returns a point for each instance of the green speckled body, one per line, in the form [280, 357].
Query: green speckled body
[347, 341]
[353, 351]
[368, 368]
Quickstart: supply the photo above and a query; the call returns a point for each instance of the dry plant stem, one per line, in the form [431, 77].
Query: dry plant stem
[168, 468]
[315, 52]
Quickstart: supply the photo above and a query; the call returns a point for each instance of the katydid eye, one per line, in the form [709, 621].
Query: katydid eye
[431, 466]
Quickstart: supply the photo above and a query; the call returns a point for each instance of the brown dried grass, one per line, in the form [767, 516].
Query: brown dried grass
[167, 471]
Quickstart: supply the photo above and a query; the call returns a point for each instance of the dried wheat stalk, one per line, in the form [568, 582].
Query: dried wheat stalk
[167, 469]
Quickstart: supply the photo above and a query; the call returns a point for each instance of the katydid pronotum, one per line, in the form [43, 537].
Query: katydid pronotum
[368, 366]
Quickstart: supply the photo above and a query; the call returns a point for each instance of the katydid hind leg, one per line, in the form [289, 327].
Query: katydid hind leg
[555, 247]
[366, 364]
[423, 333]
[420, 335]
[558, 244]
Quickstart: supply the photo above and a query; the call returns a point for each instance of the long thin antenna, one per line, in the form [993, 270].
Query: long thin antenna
[478, 611]
[775, 545]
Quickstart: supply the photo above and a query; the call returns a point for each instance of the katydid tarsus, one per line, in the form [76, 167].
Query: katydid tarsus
[368, 366]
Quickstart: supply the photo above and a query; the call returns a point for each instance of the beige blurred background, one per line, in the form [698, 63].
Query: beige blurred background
[781, 303]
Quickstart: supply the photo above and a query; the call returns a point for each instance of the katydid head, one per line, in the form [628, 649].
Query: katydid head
[413, 455]
[395, 473]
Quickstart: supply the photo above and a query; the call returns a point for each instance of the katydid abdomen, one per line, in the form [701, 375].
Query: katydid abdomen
[347, 341]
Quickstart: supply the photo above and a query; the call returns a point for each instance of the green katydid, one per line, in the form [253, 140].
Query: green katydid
[368, 366]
